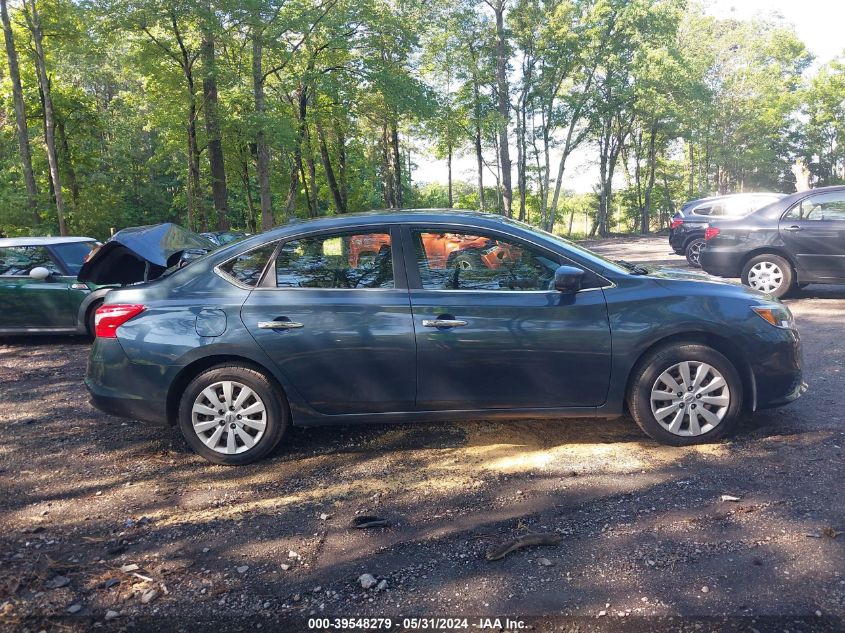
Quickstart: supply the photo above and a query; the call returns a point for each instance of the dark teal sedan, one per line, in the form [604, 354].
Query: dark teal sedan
[415, 316]
[39, 292]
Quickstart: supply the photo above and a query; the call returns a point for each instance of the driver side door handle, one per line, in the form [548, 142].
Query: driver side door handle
[444, 323]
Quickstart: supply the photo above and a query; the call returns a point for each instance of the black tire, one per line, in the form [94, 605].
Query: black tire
[276, 411]
[467, 261]
[693, 251]
[89, 318]
[650, 369]
[759, 264]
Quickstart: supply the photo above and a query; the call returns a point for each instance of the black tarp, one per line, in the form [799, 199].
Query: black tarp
[141, 253]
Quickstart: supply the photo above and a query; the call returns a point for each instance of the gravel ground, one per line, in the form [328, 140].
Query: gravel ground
[117, 523]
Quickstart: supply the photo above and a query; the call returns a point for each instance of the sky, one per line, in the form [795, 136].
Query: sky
[819, 24]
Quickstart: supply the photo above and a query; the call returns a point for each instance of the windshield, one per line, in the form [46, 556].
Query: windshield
[587, 254]
[73, 254]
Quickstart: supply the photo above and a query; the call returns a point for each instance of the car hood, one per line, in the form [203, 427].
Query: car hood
[667, 276]
[141, 253]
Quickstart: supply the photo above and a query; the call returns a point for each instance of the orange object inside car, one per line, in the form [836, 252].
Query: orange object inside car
[439, 247]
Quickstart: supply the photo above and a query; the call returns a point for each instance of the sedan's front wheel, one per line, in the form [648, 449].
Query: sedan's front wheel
[232, 415]
[686, 394]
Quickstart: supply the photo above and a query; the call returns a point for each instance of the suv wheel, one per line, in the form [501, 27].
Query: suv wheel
[686, 394]
[769, 273]
[232, 414]
[693, 252]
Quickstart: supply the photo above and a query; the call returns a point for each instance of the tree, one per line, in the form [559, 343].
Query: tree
[33, 20]
[20, 115]
[503, 103]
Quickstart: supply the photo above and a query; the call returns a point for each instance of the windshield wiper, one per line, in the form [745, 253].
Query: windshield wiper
[634, 269]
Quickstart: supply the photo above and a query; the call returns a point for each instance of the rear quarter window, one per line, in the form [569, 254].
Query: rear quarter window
[246, 268]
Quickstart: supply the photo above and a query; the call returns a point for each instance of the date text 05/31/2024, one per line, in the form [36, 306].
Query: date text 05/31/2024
[422, 624]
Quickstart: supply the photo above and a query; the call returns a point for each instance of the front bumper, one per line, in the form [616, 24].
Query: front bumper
[776, 365]
[120, 387]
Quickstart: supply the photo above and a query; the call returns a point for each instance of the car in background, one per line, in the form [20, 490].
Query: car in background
[221, 238]
[143, 253]
[798, 240]
[39, 291]
[686, 231]
[284, 329]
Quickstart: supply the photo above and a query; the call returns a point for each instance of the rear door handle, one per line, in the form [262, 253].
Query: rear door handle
[793, 228]
[279, 325]
[444, 323]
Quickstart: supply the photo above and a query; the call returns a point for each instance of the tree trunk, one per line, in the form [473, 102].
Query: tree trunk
[341, 168]
[67, 162]
[449, 175]
[212, 125]
[503, 108]
[520, 158]
[397, 163]
[262, 151]
[387, 175]
[476, 111]
[194, 197]
[20, 116]
[313, 203]
[327, 167]
[650, 175]
[251, 220]
[34, 22]
[194, 202]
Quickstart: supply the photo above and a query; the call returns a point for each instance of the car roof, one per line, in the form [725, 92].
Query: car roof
[801, 194]
[293, 227]
[41, 241]
[390, 216]
[729, 196]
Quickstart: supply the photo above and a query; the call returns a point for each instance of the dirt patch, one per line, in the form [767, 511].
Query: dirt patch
[644, 528]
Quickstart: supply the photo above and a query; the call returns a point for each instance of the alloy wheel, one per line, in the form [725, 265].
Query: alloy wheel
[229, 417]
[694, 253]
[765, 276]
[690, 398]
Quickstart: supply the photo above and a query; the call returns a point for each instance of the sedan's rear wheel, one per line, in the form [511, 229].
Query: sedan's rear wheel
[686, 394]
[769, 273]
[693, 252]
[232, 415]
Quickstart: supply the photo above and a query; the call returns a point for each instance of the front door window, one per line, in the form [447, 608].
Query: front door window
[464, 261]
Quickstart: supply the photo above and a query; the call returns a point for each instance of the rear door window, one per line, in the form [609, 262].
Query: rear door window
[355, 260]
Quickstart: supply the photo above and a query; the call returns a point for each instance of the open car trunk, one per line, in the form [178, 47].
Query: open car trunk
[141, 253]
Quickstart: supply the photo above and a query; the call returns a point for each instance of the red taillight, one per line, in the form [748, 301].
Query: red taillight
[676, 222]
[710, 232]
[108, 318]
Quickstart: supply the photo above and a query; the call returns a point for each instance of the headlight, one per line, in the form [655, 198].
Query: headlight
[777, 315]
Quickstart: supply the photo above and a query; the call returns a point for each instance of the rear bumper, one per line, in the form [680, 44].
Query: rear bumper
[120, 387]
[127, 408]
[721, 262]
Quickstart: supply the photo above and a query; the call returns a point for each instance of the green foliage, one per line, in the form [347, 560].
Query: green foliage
[680, 103]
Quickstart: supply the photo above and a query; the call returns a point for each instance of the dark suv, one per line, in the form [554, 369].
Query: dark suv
[798, 240]
[686, 233]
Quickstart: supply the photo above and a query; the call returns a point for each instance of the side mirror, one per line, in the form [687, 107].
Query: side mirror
[39, 273]
[568, 279]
